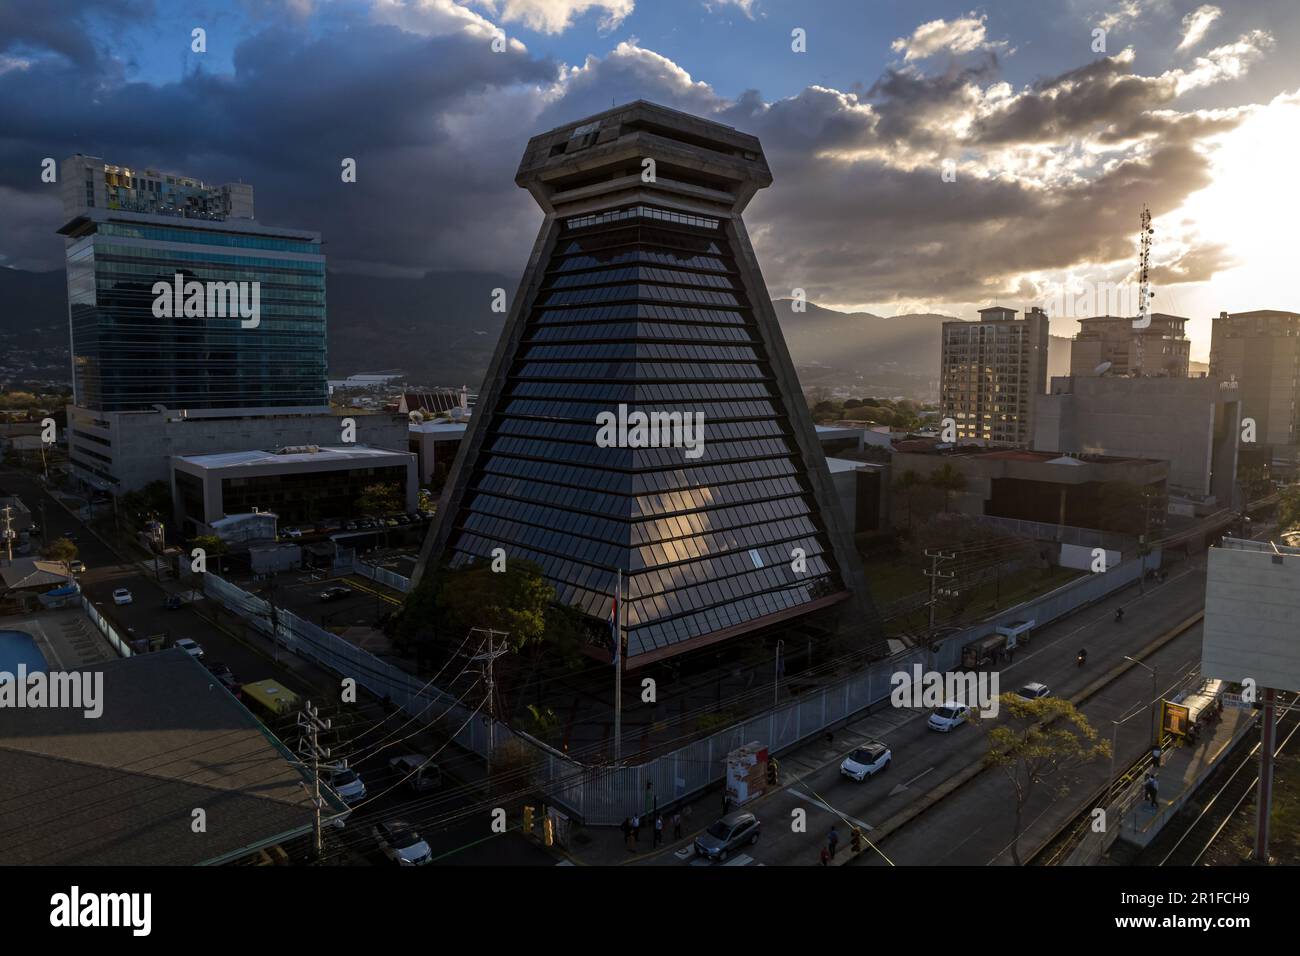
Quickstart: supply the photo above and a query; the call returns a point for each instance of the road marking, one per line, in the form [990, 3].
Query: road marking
[903, 786]
[815, 802]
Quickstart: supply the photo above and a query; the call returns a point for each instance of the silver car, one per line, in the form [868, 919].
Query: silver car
[723, 836]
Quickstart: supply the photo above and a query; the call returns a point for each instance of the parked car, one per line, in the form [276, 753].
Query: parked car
[334, 593]
[402, 844]
[173, 603]
[952, 714]
[1034, 691]
[423, 776]
[77, 567]
[189, 646]
[349, 526]
[391, 522]
[122, 596]
[724, 835]
[226, 676]
[347, 783]
[292, 533]
[866, 761]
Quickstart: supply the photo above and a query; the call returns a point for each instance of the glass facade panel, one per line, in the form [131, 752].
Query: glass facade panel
[645, 309]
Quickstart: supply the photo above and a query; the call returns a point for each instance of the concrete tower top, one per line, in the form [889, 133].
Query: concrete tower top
[599, 161]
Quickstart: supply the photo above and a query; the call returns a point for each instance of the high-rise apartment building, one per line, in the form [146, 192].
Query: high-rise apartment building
[1260, 351]
[1159, 349]
[643, 296]
[992, 373]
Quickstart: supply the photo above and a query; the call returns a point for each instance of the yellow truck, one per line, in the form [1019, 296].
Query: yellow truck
[270, 699]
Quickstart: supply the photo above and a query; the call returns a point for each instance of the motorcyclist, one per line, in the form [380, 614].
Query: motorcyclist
[1082, 656]
[1119, 614]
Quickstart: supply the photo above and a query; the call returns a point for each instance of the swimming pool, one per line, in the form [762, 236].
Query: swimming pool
[18, 647]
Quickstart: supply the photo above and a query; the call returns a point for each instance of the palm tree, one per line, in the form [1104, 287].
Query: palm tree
[948, 480]
[906, 485]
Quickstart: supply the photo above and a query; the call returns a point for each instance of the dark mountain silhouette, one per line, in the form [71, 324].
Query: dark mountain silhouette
[440, 329]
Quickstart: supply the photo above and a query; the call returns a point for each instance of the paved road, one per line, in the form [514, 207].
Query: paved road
[923, 759]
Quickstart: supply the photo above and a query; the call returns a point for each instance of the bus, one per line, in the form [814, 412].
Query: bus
[270, 699]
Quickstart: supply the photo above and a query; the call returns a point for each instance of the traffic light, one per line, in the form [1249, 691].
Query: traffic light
[548, 831]
[855, 840]
[528, 819]
[773, 772]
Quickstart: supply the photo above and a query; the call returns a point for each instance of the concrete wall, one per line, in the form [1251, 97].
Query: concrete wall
[1169, 419]
[140, 445]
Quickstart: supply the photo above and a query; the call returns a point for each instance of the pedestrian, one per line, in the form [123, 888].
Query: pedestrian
[1149, 790]
[1011, 654]
[636, 827]
[1155, 793]
[677, 825]
[826, 857]
[834, 841]
[627, 835]
[659, 829]
[726, 803]
[1155, 756]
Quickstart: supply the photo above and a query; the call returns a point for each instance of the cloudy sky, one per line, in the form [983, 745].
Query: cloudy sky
[1054, 133]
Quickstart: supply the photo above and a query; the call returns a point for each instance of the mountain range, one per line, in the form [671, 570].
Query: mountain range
[440, 329]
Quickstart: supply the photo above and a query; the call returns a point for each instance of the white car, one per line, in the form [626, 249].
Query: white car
[347, 783]
[1034, 691]
[189, 647]
[951, 714]
[122, 596]
[866, 761]
[401, 844]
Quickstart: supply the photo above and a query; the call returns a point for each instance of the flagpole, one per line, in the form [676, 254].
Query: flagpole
[618, 668]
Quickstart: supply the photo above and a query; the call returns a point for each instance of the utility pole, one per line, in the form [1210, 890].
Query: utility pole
[493, 652]
[275, 621]
[310, 722]
[935, 575]
[620, 651]
[1264, 792]
[9, 532]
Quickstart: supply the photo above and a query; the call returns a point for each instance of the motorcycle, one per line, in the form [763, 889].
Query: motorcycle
[1081, 658]
[1119, 614]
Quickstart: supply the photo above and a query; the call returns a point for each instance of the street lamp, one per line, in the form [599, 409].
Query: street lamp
[1155, 724]
[776, 680]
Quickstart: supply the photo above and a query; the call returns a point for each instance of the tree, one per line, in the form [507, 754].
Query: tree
[379, 498]
[1288, 510]
[1036, 742]
[948, 480]
[61, 550]
[455, 601]
[906, 485]
[213, 547]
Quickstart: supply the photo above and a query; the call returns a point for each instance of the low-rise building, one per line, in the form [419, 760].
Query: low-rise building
[435, 445]
[299, 483]
[1192, 423]
[1043, 486]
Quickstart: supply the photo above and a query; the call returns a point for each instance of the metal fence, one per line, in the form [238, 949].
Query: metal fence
[1064, 534]
[382, 575]
[122, 647]
[599, 794]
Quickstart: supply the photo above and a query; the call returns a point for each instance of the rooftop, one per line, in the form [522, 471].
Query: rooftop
[121, 788]
[306, 454]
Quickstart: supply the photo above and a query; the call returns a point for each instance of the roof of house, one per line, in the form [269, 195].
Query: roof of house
[122, 788]
[32, 573]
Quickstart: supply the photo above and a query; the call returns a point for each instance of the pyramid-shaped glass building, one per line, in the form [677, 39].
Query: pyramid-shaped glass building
[643, 294]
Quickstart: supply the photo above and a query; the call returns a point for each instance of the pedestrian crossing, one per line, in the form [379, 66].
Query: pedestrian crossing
[740, 859]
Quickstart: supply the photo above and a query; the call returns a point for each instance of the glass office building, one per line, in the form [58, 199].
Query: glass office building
[125, 358]
[642, 301]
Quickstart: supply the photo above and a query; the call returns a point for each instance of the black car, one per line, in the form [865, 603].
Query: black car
[173, 603]
[334, 593]
[723, 836]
